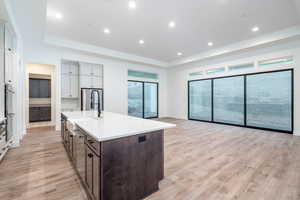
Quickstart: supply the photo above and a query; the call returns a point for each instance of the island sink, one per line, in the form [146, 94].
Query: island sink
[116, 156]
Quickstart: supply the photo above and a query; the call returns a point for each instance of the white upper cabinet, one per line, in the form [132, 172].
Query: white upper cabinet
[86, 69]
[97, 70]
[65, 86]
[71, 68]
[97, 82]
[74, 90]
[86, 82]
[91, 75]
[69, 79]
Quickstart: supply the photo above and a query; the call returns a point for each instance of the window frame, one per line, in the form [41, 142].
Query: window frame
[143, 96]
[245, 100]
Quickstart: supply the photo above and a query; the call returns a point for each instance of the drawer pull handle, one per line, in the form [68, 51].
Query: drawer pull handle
[90, 155]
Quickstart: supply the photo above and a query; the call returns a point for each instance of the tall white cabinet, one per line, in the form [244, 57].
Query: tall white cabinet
[69, 79]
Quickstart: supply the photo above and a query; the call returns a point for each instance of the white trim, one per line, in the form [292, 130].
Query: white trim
[296, 134]
[55, 41]
[285, 34]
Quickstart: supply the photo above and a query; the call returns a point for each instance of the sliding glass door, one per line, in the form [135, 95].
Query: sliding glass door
[200, 100]
[229, 100]
[150, 100]
[135, 99]
[261, 100]
[269, 100]
[143, 99]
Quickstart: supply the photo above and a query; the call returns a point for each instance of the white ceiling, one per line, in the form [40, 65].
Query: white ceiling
[197, 22]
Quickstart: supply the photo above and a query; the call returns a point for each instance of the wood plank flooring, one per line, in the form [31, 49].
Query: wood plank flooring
[203, 161]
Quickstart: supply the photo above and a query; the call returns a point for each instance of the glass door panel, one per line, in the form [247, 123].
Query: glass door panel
[150, 100]
[269, 100]
[229, 100]
[135, 99]
[200, 100]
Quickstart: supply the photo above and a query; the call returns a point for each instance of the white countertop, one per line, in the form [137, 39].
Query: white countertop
[112, 126]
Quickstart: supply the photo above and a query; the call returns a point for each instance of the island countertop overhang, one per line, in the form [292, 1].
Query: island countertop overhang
[113, 126]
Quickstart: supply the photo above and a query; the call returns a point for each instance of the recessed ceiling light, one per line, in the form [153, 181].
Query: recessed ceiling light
[179, 54]
[106, 31]
[132, 4]
[255, 29]
[141, 41]
[58, 16]
[172, 24]
[210, 44]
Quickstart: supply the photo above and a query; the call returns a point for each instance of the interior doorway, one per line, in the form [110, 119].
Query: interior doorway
[40, 93]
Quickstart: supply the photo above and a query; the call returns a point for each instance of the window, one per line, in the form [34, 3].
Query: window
[200, 100]
[261, 100]
[139, 74]
[215, 71]
[241, 67]
[277, 62]
[269, 100]
[229, 100]
[196, 74]
[142, 99]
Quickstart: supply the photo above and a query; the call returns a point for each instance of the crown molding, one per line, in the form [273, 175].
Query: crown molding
[55, 41]
[247, 44]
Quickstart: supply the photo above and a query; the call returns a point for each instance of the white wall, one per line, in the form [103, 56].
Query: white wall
[115, 75]
[43, 70]
[178, 76]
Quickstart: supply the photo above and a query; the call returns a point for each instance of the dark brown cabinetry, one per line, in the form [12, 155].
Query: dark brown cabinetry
[39, 114]
[80, 154]
[128, 168]
[39, 88]
[132, 166]
[92, 173]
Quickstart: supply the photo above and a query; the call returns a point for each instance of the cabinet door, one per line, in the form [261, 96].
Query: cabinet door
[80, 155]
[85, 69]
[65, 86]
[74, 86]
[92, 178]
[34, 88]
[71, 147]
[45, 113]
[44, 89]
[97, 70]
[9, 66]
[86, 82]
[65, 68]
[73, 69]
[97, 82]
[34, 114]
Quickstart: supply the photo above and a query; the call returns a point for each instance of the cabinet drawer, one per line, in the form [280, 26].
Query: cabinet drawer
[93, 144]
[2, 142]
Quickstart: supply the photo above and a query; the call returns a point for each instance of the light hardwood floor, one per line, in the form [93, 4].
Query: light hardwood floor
[202, 162]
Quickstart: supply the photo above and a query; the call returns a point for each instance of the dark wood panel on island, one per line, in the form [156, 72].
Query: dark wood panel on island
[128, 168]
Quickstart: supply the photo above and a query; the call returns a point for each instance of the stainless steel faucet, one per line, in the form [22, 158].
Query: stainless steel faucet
[93, 102]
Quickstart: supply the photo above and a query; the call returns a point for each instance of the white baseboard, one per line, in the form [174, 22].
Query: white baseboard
[296, 134]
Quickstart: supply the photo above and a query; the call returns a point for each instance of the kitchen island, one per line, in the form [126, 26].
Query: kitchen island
[116, 156]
